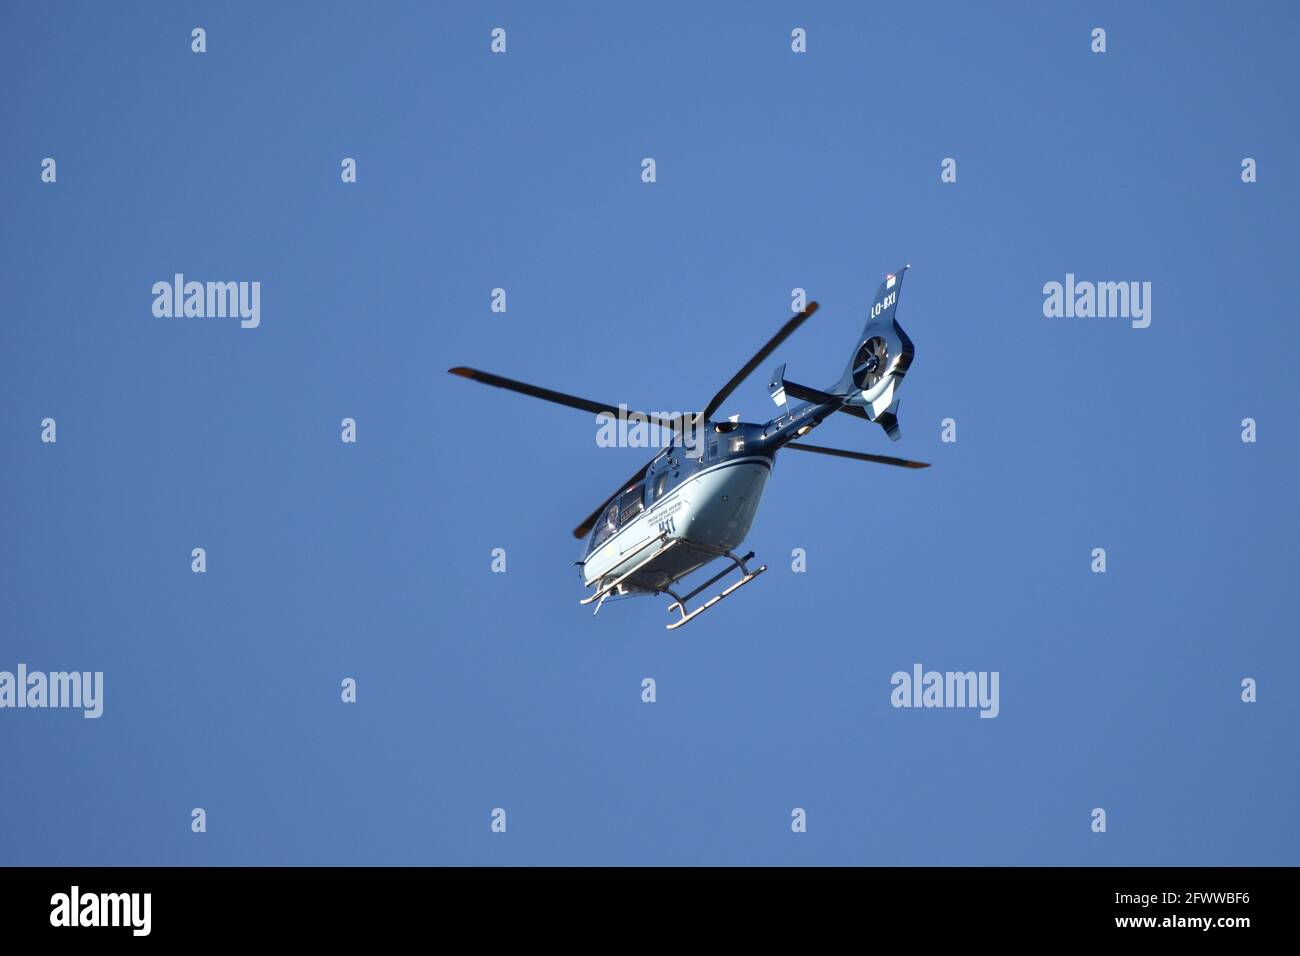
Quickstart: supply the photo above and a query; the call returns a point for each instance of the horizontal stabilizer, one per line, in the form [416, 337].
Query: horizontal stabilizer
[807, 394]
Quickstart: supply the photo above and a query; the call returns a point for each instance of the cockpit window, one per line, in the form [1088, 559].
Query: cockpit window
[606, 526]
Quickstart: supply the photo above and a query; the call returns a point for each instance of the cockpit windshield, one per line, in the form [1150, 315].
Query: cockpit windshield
[605, 526]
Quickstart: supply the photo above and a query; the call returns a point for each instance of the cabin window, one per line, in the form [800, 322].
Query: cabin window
[660, 484]
[631, 504]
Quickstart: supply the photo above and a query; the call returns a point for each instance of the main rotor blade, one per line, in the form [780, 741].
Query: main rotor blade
[759, 357]
[858, 455]
[590, 521]
[560, 398]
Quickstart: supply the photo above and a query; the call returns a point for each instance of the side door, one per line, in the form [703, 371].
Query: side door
[631, 516]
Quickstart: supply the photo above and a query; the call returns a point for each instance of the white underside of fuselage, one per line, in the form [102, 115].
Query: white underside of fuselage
[708, 513]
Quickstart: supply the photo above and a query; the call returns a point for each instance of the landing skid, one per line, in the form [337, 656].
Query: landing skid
[661, 545]
[746, 577]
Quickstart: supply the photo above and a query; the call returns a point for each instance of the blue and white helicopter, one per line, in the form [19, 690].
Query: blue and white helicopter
[696, 499]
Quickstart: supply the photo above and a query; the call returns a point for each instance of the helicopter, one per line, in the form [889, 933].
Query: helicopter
[695, 501]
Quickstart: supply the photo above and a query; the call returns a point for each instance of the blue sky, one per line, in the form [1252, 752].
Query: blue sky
[775, 170]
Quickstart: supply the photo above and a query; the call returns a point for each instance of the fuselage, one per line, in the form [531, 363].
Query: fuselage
[703, 494]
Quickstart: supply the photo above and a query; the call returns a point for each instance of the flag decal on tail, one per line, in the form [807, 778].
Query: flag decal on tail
[890, 278]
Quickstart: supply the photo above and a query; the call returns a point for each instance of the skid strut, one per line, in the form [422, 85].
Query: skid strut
[746, 576]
